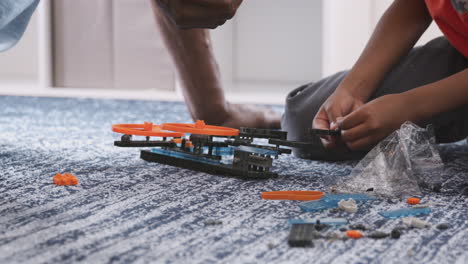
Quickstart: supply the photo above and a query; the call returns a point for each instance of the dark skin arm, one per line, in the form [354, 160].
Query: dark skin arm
[200, 78]
[199, 13]
[377, 119]
[396, 33]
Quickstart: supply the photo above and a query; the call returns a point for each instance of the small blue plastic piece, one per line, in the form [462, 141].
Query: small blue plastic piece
[186, 156]
[405, 212]
[223, 151]
[327, 221]
[315, 206]
[255, 150]
[220, 151]
[329, 201]
[358, 197]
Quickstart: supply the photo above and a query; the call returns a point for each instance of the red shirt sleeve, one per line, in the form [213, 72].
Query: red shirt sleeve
[452, 18]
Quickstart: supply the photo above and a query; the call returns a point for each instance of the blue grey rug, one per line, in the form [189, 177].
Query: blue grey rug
[126, 210]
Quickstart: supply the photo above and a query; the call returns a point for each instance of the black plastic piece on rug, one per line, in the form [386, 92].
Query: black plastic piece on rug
[301, 235]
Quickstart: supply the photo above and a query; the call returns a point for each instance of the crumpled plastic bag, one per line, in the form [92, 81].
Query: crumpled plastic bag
[399, 166]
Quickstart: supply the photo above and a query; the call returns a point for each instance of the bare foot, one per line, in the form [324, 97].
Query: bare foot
[252, 116]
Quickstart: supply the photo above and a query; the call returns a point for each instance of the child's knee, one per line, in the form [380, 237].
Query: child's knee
[301, 107]
[303, 103]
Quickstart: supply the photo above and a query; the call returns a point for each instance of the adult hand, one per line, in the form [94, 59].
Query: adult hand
[365, 127]
[338, 105]
[199, 13]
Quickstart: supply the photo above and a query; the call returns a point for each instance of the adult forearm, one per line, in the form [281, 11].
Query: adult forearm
[439, 97]
[196, 67]
[396, 33]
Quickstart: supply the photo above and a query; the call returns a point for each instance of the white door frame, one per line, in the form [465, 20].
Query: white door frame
[45, 66]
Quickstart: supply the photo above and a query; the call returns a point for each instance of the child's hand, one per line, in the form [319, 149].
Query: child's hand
[338, 105]
[365, 127]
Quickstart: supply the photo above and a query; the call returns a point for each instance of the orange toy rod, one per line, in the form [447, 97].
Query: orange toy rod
[201, 128]
[293, 195]
[146, 129]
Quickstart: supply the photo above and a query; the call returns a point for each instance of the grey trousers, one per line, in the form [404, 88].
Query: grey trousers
[423, 65]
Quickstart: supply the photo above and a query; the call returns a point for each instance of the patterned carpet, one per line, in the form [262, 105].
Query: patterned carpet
[126, 210]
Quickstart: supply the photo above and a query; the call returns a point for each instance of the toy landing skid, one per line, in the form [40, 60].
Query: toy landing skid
[201, 152]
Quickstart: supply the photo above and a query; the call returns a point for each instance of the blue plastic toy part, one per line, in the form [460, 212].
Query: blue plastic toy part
[222, 151]
[327, 221]
[358, 197]
[255, 150]
[405, 212]
[183, 155]
[315, 206]
[329, 201]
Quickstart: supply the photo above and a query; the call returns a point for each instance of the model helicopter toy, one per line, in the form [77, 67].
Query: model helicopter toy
[215, 149]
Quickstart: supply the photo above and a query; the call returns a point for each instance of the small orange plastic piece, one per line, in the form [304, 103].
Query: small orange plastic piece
[200, 128]
[293, 195]
[200, 124]
[65, 179]
[189, 144]
[177, 140]
[413, 200]
[354, 234]
[147, 129]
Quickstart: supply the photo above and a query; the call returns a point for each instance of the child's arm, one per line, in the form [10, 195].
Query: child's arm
[377, 119]
[396, 33]
[439, 97]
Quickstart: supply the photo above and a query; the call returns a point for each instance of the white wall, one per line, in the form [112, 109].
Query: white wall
[270, 44]
[109, 44]
[346, 32]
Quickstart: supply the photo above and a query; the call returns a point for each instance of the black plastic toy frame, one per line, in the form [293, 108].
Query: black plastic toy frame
[251, 161]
